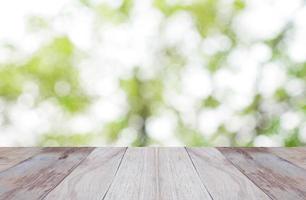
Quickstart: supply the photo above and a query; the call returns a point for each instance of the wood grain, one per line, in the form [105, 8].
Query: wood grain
[222, 179]
[153, 173]
[136, 177]
[178, 178]
[92, 178]
[10, 156]
[35, 177]
[277, 177]
[157, 173]
[295, 155]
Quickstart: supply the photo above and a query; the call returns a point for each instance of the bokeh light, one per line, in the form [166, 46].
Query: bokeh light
[153, 73]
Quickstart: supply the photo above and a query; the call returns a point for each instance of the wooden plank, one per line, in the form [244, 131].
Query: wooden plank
[136, 177]
[178, 177]
[36, 176]
[10, 156]
[157, 173]
[92, 178]
[277, 177]
[221, 178]
[295, 155]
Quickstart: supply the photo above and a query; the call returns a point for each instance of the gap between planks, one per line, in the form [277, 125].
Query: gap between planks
[72, 169]
[245, 174]
[198, 173]
[157, 192]
[157, 173]
[165, 172]
[13, 156]
[115, 173]
[222, 179]
[276, 176]
[92, 178]
[37, 175]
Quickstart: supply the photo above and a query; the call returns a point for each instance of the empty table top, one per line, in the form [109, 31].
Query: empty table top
[152, 173]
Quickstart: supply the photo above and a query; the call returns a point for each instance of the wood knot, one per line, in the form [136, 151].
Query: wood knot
[63, 157]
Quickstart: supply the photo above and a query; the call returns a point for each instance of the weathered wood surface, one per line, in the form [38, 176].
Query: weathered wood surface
[277, 177]
[35, 177]
[177, 177]
[295, 155]
[223, 180]
[92, 178]
[136, 177]
[12, 156]
[152, 173]
[157, 173]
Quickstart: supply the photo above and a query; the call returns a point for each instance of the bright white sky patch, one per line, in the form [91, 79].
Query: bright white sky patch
[264, 19]
[161, 127]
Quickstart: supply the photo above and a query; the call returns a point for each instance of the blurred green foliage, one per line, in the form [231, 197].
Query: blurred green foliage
[54, 139]
[52, 68]
[50, 65]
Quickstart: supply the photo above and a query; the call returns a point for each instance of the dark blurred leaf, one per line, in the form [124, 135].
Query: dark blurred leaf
[11, 81]
[281, 95]
[270, 126]
[217, 61]
[293, 140]
[210, 102]
[254, 106]
[239, 4]
[111, 130]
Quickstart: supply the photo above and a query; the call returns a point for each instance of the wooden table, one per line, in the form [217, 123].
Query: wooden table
[153, 173]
